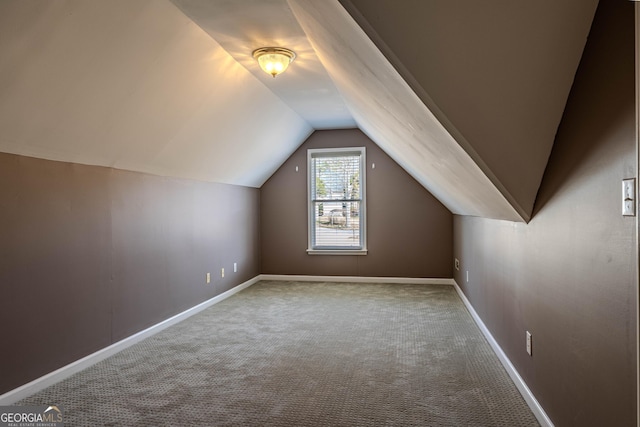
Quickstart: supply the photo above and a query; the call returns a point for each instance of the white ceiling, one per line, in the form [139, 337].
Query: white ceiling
[240, 27]
[170, 88]
[136, 85]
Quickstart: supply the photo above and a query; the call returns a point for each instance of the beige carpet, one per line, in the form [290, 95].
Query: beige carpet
[304, 354]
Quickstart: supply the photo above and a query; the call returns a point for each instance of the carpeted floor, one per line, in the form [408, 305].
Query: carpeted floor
[304, 354]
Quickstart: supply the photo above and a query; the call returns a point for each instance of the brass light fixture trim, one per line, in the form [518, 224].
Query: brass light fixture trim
[274, 60]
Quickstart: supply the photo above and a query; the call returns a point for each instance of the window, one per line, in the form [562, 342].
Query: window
[337, 201]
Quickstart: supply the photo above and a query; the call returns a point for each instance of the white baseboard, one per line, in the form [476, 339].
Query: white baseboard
[528, 396]
[51, 378]
[356, 279]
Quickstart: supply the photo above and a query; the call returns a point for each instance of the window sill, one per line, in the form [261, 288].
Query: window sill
[337, 251]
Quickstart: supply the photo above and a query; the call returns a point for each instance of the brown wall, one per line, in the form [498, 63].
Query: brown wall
[91, 255]
[409, 233]
[569, 276]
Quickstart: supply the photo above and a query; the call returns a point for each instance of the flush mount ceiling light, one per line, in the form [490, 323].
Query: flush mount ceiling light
[274, 60]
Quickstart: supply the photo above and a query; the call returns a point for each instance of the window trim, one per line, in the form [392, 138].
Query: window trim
[313, 152]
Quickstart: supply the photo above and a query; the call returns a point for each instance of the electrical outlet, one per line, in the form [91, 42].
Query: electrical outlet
[529, 344]
[467, 276]
[208, 277]
[222, 273]
[457, 264]
[235, 267]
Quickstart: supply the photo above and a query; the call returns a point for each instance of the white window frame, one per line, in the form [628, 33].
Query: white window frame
[312, 249]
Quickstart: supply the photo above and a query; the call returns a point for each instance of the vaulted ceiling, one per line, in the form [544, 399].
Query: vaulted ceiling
[465, 95]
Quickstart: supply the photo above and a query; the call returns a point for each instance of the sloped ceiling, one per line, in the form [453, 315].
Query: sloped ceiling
[393, 116]
[243, 26]
[135, 85]
[495, 73]
[466, 98]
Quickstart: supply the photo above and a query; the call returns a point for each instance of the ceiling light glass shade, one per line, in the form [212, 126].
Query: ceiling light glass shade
[274, 60]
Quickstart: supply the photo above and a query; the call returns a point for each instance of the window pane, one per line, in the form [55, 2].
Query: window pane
[337, 224]
[336, 177]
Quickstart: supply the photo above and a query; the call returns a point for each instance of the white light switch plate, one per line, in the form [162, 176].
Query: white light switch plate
[629, 197]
